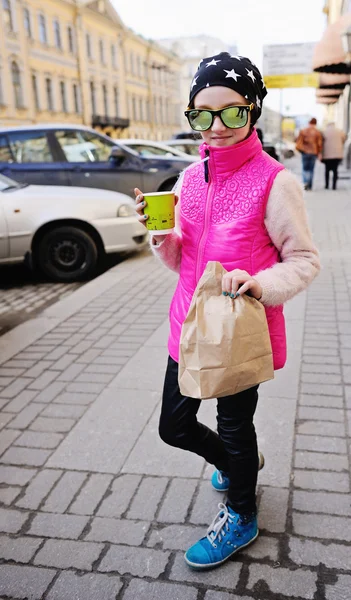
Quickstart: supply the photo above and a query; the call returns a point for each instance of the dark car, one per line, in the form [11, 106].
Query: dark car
[79, 156]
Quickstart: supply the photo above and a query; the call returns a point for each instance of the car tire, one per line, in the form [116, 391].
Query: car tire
[67, 254]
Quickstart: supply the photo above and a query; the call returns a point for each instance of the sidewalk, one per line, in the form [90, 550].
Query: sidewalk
[95, 507]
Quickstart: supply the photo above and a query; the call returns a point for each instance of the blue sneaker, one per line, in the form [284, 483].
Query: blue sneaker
[220, 480]
[227, 534]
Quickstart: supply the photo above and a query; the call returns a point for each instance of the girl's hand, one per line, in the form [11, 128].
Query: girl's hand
[233, 279]
[142, 217]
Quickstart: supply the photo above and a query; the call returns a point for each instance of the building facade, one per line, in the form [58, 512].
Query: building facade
[74, 61]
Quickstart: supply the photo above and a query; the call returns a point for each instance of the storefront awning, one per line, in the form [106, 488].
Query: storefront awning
[329, 54]
[328, 81]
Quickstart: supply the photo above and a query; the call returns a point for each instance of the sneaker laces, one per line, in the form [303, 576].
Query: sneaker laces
[219, 525]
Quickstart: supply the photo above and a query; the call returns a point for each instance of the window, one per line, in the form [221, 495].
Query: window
[134, 109]
[115, 100]
[76, 98]
[139, 66]
[93, 98]
[70, 40]
[145, 70]
[16, 84]
[148, 111]
[57, 34]
[88, 44]
[105, 99]
[5, 152]
[1, 92]
[141, 111]
[30, 147]
[161, 110]
[131, 62]
[27, 22]
[102, 52]
[6, 5]
[35, 92]
[42, 30]
[63, 96]
[82, 146]
[49, 96]
[113, 56]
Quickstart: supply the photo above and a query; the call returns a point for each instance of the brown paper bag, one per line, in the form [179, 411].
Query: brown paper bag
[225, 346]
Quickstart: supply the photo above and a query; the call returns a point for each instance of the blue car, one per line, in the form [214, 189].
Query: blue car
[79, 156]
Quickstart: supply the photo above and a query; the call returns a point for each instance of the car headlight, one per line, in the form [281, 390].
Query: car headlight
[126, 210]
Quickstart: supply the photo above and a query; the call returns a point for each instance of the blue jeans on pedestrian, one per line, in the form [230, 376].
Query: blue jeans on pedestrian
[308, 162]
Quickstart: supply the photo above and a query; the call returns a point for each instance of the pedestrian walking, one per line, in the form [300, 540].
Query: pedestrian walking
[333, 152]
[310, 143]
[240, 207]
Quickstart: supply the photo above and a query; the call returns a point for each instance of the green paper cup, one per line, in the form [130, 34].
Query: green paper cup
[160, 208]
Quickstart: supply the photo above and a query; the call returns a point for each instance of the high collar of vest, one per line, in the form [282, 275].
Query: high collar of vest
[230, 158]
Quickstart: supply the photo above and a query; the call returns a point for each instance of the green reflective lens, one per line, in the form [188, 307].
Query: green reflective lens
[234, 117]
[200, 120]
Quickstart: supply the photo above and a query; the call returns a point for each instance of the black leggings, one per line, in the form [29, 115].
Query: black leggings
[233, 450]
[331, 164]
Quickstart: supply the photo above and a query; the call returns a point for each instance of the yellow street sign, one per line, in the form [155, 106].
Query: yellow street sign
[292, 81]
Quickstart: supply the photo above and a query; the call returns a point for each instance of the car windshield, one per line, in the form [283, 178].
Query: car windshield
[7, 183]
[144, 150]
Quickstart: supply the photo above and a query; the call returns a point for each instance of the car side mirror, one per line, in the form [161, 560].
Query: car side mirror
[117, 154]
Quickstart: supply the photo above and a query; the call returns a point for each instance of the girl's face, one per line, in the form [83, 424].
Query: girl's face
[219, 97]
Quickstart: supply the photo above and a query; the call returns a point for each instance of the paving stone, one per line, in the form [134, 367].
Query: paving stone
[80, 347]
[140, 562]
[205, 505]
[38, 439]
[140, 589]
[322, 502]
[323, 390]
[5, 419]
[147, 498]
[39, 368]
[39, 488]
[8, 436]
[211, 595]
[225, 577]
[11, 520]
[65, 554]
[50, 392]
[72, 411]
[117, 502]
[71, 372]
[325, 401]
[82, 388]
[15, 475]
[322, 526]
[57, 353]
[319, 460]
[330, 360]
[57, 526]
[264, 547]
[14, 388]
[322, 428]
[24, 582]
[26, 416]
[63, 363]
[321, 414]
[91, 586]
[345, 354]
[308, 552]
[273, 509]
[319, 480]
[339, 590]
[8, 494]
[77, 399]
[91, 494]
[173, 511]
[56, 425]
[175, 537]
[45, 379]
[282, 581]
[5, 381]
[329, 378]
[63, 493]
[112, 369]
[25, 364]
[20, 549]
[117, 531]
[104, 378]
[321, 444]
[30, 457]
[88, 356]
[20, 402]
[320, 368]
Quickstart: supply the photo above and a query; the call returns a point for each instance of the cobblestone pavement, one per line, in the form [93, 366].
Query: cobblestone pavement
[95, 506]
[24, 294]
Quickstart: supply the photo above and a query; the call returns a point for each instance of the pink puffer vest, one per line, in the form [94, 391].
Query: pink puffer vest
[223, 220]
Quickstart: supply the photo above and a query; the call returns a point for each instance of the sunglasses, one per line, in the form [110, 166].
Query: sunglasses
[234, 117]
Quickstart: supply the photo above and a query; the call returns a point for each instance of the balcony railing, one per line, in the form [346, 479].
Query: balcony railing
[105, 121]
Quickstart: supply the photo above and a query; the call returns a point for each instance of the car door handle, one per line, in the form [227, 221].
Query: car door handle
[153, 170]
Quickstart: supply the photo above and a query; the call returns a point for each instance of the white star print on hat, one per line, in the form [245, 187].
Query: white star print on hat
[231, 74]
[263, 84]
[194, 82]
[258, 102]
[250, 74]
[213, 63]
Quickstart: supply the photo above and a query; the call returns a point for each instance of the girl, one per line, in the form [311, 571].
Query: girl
[240, 207]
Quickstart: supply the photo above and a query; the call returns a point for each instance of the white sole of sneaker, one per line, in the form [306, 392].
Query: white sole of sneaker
[198, 567]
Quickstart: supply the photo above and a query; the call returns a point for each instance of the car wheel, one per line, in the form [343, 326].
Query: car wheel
[67, 254]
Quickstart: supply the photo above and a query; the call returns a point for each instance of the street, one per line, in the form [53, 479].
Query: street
[94, 505]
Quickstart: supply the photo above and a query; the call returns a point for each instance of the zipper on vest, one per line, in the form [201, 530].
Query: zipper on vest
[200, 248]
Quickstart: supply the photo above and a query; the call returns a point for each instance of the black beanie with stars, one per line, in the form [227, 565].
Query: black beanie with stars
[235, 72]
